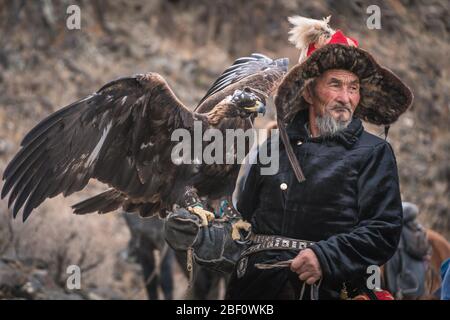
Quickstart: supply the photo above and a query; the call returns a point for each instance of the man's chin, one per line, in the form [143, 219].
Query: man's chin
[342, 117]
[329, 125]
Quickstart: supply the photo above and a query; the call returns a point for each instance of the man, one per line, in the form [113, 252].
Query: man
[334, 207]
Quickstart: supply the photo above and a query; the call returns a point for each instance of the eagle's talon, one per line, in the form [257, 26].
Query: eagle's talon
[239, 225]
[205, 215]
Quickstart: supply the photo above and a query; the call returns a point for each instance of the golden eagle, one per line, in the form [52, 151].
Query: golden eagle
[121, 136]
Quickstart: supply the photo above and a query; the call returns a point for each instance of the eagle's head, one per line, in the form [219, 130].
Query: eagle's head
[247, 103]
[242, 103]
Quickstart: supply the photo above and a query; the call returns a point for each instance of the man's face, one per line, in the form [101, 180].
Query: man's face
[334, 97]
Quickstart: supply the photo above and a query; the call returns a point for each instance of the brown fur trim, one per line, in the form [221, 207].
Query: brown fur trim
[384, 97]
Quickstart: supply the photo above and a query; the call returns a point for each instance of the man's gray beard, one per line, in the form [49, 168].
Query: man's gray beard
[329, 127]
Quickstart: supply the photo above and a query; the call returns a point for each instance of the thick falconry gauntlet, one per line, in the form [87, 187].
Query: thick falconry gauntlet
[211, 246]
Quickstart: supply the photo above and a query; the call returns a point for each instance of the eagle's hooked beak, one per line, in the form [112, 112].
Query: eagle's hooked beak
[259, 107]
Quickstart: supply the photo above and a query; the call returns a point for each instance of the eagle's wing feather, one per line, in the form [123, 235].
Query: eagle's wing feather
[118, 135]
[242, 68]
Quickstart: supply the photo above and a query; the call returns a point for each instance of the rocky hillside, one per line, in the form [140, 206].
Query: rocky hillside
[44, 66]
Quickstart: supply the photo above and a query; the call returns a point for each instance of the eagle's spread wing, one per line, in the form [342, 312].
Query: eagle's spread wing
[118, 135]
[243, 68]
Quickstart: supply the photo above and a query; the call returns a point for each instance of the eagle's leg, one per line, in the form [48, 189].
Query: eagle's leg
[194, 204]
[239, 225]
[228, 212]
[204, 215]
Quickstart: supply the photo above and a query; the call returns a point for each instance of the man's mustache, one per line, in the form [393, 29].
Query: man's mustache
[342, 106]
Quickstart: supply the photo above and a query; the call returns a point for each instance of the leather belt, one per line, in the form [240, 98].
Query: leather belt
[268, 242]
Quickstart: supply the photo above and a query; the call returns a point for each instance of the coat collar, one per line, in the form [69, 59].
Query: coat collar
[297, 130]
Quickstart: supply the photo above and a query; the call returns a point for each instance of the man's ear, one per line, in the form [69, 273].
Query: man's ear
[307, 94]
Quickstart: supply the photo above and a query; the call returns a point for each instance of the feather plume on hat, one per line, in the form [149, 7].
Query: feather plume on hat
[309, 31]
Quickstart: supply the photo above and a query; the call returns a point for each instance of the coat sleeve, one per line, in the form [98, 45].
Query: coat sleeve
[375, 238]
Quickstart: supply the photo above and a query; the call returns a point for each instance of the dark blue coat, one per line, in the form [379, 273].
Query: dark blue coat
[350, 205]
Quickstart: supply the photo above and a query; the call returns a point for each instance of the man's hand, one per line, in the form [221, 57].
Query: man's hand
[307, 266]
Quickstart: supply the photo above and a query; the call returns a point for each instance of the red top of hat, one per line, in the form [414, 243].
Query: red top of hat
[337, 37]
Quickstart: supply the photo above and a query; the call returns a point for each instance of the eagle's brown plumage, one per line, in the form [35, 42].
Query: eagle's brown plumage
[120, 136]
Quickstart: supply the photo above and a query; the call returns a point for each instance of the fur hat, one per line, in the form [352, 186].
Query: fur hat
[384, 97]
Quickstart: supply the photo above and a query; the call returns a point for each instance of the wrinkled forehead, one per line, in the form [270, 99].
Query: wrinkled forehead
[341, 75]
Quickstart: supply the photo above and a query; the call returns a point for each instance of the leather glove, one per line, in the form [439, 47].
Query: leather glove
[212, 246]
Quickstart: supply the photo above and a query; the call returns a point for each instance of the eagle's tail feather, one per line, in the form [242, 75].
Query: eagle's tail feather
[107, 201]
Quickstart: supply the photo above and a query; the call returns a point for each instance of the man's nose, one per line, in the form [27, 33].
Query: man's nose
[344, 96]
